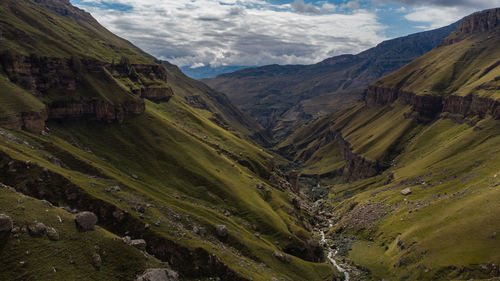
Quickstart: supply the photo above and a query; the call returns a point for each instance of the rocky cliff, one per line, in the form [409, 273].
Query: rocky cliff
[428, 107]
[73, 88]
[480, 22]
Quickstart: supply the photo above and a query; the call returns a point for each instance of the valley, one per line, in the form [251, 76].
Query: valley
[114, 165]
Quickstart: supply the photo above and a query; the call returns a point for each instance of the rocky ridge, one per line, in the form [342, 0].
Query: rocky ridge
[47, 78]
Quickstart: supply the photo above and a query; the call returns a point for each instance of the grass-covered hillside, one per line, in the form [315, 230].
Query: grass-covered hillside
[414, 198]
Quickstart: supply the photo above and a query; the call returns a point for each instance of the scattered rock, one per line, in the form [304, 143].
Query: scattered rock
[37, 229]
[158, 274]
[115, 188]
[221, 231]
[52, 234]
[406, 191]
[96, 261]
[139, 244]
[493, 236]
[86, 220]
[281, 257]
[5, 224]
[135, 177]
[400, 263]
[401, 244]
[47, 203]
[127, 240]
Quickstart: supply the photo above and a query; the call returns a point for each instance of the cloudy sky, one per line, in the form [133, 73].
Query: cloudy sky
[214, 33]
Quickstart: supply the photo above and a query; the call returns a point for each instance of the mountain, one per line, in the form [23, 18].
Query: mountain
[411, 172]
[95, 130]
[210, 72]
[282, 98]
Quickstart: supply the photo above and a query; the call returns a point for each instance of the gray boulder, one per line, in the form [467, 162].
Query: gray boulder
[5, 224]
[221, 231]
[96, 261]
[159, 274]
[406, 191]
[86, 220]
[52, 234]
[37, 229]
[139, 244]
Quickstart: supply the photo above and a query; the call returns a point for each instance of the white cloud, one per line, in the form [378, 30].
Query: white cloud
[438, 13]
[240, 32]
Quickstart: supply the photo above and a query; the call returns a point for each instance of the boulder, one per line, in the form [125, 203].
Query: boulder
[221, 231]
[158, 274]
[86, 220]
[37, 229]
[5, 224]
[115, 188]
[52, 234]
[406, 191]
[281, 257]
[139, 244]
[96, 261]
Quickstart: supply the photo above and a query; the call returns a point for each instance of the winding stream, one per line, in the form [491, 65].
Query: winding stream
[331, 255]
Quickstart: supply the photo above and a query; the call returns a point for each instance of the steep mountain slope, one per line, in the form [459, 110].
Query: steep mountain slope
[282, 98]
[225, 114]
[110, 137]
[412, 172]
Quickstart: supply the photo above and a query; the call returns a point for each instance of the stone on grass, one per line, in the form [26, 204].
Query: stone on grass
[5, 224]
[52, 234]
[86, 220]
[96, 261]
[281, 257]
[37, 229]
[158, 274]
[139, 244]
[406, 191]
[221, 231]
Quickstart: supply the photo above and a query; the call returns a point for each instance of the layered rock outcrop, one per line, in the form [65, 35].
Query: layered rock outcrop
[66, 79]
[30, 121]
[428, 107]
[480, 22]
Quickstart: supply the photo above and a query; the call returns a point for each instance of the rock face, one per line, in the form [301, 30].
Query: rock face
[86, 220]
[5, 225]
[428, 107]
[157, 94]
[159, 275]
[44, 76]
[480, 22]
[31, 121]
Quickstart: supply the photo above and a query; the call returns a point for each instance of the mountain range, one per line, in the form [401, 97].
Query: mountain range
[282, 98]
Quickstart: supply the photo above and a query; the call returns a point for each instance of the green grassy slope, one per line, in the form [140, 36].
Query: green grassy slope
[14, 99]
[464, 64]
[217, 104]
[447, 227]
[53, 28]
[189, 166]
[70, 256]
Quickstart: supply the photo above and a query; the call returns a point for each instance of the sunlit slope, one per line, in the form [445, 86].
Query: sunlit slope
[54, 28]
[70, 258]
[448, 225]
[467, 62]
[420, 196]
[186, 173]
